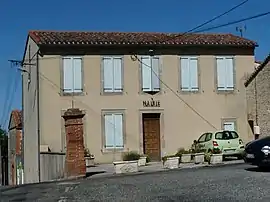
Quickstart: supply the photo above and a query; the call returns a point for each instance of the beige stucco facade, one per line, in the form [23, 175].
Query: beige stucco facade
[179, 124]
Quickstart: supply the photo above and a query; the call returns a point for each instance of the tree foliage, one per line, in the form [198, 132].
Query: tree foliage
[3, 142]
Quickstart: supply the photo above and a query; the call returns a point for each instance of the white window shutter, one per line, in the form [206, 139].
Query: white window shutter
[184, 68]
[77, 74]
[108, 74]
[155, 74]
[193, 72]
[229, 126]
[109, 130]
[68, 75]
[118, 131]
[117, 75]
[221, 74]
[146, 74]
[229, 74]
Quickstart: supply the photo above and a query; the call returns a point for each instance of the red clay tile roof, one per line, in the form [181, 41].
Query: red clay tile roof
[17, 117]
[136, 38]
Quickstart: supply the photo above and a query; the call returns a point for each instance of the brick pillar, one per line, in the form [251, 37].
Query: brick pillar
[75, 162]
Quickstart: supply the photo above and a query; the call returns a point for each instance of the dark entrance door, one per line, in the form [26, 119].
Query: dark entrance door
[151, 136]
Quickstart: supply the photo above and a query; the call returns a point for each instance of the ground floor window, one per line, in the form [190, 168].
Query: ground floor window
[229, 125]
[113, 131]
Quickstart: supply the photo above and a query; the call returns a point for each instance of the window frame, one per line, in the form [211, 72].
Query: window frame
[226, 91]
[62, 91]
[159, 74]
[105, 112]
[189, 91]
[102, 79]
[201, 137]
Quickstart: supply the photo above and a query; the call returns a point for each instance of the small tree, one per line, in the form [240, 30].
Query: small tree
[3, 142]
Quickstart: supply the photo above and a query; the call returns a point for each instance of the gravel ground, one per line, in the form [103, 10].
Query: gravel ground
[229, 183]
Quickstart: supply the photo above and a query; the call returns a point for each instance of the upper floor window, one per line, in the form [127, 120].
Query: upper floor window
[150, 74]
[72, 75]
[189, 73]
[112, 74]
[225, 73]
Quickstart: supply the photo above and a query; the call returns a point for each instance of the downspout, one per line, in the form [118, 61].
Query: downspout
[256, 101]
[38, 117]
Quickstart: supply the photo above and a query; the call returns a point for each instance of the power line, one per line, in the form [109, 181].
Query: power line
[234, 22]
[6, 97]
[177, 95]
[11, 99]
[213, 19]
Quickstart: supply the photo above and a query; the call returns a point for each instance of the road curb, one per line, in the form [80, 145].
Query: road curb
[9, 187]
[109, 176]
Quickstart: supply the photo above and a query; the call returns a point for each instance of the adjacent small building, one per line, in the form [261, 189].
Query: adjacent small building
[15, 148]
[147, 92]
[258, 98]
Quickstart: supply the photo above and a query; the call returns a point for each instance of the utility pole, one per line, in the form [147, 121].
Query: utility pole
[241, 29]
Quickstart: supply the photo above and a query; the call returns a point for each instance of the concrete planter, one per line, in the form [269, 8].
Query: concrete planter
[142, 161]
[216, 158]
[171, 163]
[198, 158]
[89, 161]
[186, 158]
[125, 167]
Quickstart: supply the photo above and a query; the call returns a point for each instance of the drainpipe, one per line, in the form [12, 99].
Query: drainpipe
[38, 116]
[257, 128]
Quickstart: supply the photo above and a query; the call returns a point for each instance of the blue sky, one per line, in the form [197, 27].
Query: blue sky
[18, 17]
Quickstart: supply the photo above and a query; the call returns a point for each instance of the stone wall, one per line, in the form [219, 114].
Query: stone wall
[260, 88]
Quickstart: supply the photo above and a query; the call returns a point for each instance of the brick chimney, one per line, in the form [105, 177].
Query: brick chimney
[75, 162]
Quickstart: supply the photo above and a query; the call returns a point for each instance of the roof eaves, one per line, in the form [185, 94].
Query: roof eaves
[257, 71]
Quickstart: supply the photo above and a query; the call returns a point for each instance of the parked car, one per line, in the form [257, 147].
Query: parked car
[228, 142]
[257, 152]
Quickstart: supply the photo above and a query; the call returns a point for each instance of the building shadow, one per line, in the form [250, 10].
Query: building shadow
[258, 169]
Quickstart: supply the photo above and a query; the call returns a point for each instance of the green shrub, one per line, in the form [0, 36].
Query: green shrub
[164, 158]
[216, 151]
[148, 159]
[181, 151]
[131, 156]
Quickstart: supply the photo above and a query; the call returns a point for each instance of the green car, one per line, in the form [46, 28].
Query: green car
[227, 141]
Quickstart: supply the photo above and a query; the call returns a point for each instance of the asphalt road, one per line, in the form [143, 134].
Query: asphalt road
[229, 183]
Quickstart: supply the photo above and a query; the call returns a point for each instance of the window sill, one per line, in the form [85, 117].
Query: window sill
[73, 94]
[222, 92]
[189, 91]
[112, 93]
[116, 150]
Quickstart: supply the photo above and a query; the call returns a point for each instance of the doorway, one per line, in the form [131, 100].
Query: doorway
[151, 135]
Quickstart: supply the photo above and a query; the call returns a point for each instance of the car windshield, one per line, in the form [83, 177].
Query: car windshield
[226, 135]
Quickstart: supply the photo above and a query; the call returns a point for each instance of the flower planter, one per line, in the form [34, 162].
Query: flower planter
[216, 158]
[89, 161]
[125, 167]
[198, 158]
[171, 163]
[185, 158]
[142, 161]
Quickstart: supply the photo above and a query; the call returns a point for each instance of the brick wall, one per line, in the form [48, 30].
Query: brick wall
[75, 162]
[18, 142]
[262, 84]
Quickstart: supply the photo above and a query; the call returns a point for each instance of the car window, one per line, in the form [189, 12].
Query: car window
[226, 135]
[234, 135]
[202, 138]
[208, 137]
